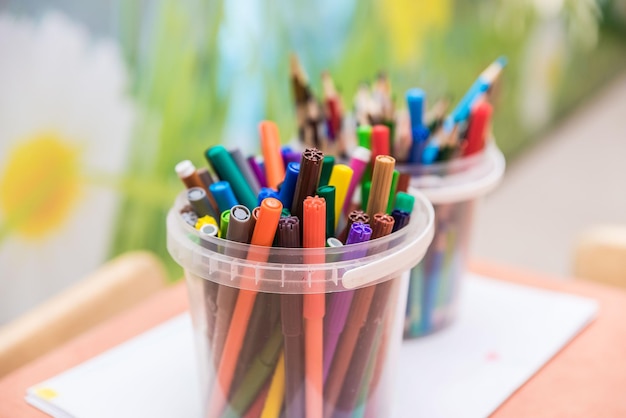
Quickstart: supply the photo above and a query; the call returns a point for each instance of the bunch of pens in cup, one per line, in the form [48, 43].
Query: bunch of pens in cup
[313, 354]
[437, 153]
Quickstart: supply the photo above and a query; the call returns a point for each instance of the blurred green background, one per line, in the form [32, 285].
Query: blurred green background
[206, 72]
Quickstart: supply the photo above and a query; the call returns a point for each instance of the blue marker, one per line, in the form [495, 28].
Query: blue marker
[416, 99]
[224, 195]
[265, 193]
[289, 185]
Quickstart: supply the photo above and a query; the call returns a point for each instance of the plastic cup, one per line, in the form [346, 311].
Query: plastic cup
[271, 368]
[453, 188]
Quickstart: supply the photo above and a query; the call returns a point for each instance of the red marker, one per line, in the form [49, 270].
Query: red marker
[477, 129]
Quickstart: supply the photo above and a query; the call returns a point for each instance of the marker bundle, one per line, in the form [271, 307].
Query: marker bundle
[295, 304]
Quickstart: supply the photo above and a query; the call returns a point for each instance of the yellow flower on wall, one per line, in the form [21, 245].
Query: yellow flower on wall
[65, 118]
[408, 23]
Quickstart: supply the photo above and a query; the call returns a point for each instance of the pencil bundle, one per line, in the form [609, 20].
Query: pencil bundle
[417, 136]
[309, 345]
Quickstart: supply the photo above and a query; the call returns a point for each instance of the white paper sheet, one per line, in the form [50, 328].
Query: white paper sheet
[504, 334]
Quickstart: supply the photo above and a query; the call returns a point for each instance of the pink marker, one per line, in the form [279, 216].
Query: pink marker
[360, 158]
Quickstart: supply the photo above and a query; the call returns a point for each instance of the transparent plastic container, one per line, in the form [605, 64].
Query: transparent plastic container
[365, 284]
[454, 188]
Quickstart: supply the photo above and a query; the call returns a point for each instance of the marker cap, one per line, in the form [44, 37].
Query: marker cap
[184, 169]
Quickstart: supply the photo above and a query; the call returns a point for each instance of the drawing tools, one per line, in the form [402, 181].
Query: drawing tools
[290, 156]
[272, 157]
[358, 163]
[288, 235]
[285, 195]
[364, 135]
[308, 179]
[263, 235]
[380, 142]
[276, 393]
[259, 330]
[277, 354]
[365, 193]
[400, 218]
[328, 194]
[382, 225]
[258, 172]
[267, 192]
[187, 173]
[327, 168]
[416, 99]
[403, 182]
[205, 176]
[404, 202]
[256, 377]
[313, 236]
[223, 195]
[477, 128]
[339, 304]
[299, 82]
[392, 191]
[206, 220]
[333, 242]
[484, 81]
[190, 218]
[200, 202]
[257, 407]
[340, 178]
[209, 230]
[347, 342]
[245, 169]
[224, 219]
[355, 216]
[382, 176]
[332, 107]
[209, 288]
[226, 169]
[239, 230]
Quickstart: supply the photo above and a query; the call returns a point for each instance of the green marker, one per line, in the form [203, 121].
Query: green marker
[227, 170]
[392, 191]
[257, 375]
[328, 193]
[365, 193]
[224, 219]
[364, 135]
[327, 168]
[404, 202]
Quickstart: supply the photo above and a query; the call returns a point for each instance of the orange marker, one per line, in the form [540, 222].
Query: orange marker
[263, 235]
[314, 236]
[270, 146]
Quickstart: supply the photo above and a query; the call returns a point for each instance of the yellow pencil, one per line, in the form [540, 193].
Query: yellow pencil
[274, 401]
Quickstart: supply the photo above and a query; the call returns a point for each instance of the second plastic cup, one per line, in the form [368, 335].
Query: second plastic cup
[298, 332]
[454, 189]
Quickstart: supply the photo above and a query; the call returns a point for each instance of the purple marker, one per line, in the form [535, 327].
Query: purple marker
[358, 164]
[258, 171]
[290, 156]
[339, 304]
